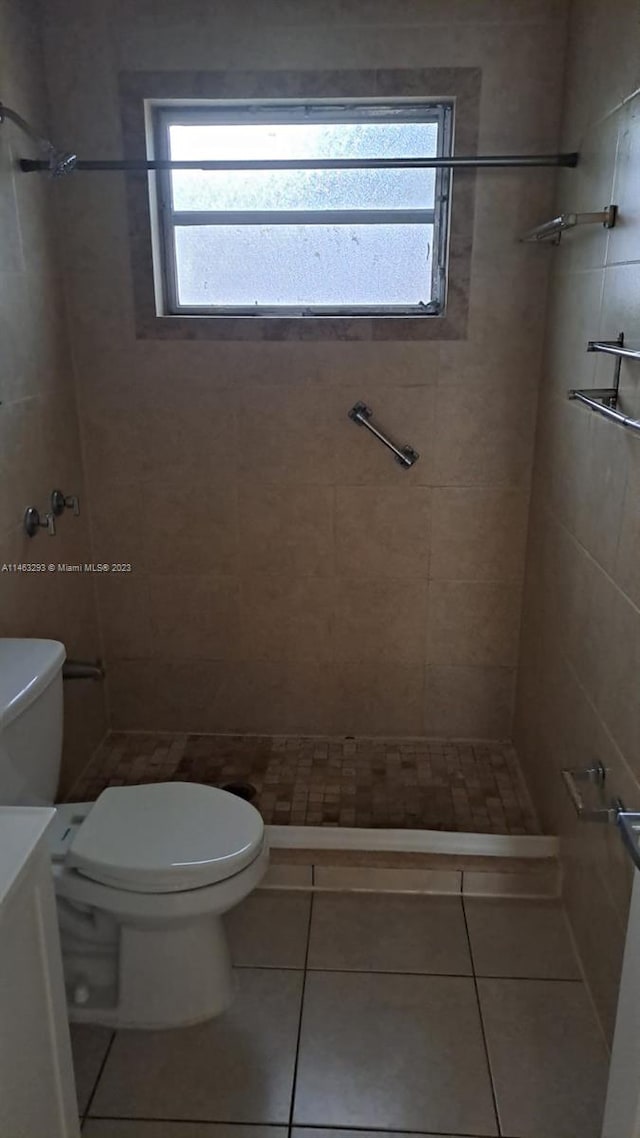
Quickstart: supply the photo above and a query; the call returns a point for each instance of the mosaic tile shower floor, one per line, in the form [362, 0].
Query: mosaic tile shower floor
[378, 783]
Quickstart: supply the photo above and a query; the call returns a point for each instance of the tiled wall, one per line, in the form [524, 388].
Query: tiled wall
[288, 576]
[578, 700]
[39, 438]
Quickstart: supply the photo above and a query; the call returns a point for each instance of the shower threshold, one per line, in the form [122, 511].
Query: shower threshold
[344, 793]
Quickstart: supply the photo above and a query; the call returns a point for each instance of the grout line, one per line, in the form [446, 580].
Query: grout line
[402, 972]
[98, 1077]
[484, 1036]
[299, 1036]
[283, 1126]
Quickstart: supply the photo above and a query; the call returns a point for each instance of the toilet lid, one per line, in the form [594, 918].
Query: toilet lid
[166, 837]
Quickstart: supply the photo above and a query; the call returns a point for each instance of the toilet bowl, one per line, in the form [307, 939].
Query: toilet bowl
[142, 876]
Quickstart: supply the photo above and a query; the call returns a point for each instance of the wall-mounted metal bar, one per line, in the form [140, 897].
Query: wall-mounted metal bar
[553, 230]
[404, 455]
[473, 161]
[614, 348]
[608, 412]
[604, 400]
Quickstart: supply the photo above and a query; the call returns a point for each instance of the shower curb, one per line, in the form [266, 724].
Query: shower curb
[413, 841]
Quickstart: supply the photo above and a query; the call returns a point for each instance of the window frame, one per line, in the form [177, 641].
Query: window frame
[422, 109]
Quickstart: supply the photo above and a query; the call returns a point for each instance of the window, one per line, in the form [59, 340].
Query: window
[269, 241]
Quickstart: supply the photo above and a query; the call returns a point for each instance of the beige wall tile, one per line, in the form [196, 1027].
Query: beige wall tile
[193, 618]
[628, 551]
[473, 703]
[313, 701]
[543, 883]
[288, 877]
[576, 705]
[237, 461]
[602, 65]
[251, 698]
[287, 434]
[379, 698]
[483, 437]
[123, 604]
[383, 531]
[623, 240]
[478, 533]
[286, 529]
[198, 525]
[379, 619]
[473, 624]
[286, 618]
[160, 695]
[39, 438]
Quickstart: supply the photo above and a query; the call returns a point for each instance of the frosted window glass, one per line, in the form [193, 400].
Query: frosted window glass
[303, 140]
[303, 189]
[328, 266]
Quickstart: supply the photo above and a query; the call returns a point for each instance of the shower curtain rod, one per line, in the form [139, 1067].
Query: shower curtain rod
[28, 165]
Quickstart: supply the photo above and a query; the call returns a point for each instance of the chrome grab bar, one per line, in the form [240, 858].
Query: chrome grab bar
[405, 455]
[627, 821]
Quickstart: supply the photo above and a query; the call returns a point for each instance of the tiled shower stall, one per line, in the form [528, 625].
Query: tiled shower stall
[301, 613]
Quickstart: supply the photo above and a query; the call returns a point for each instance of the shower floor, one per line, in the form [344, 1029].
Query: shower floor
[378, 783]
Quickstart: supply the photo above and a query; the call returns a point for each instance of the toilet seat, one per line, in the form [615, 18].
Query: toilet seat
[166, 837]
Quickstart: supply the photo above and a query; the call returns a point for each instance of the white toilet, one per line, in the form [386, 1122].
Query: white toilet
[142, 876]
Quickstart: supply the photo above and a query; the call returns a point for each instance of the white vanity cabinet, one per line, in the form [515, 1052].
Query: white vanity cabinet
[37, 1092]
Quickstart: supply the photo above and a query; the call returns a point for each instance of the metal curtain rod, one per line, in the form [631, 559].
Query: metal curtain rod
[29, 165]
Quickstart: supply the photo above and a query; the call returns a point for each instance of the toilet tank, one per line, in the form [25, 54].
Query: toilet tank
[30, 721]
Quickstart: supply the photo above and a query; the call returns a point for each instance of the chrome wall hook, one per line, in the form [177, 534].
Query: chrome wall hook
[32, 522]
[61, 502]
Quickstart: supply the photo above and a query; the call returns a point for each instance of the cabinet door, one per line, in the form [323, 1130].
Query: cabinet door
[37, 1092]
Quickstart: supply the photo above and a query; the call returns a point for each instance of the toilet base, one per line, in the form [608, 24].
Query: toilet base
[166, 977]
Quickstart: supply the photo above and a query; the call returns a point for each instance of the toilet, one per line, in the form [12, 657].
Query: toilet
[142, 875]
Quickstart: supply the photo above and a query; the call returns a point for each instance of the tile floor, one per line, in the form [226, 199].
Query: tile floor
[361, 1013]
[412, 784]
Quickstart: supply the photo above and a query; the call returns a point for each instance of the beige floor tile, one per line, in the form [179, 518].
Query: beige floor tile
[125, 1128]
[384, 933]
[547, 1057]
[318, 1132]
[269, 930]
[518, 938]
[403, 1052]
[89, 1046]
[378, 880]
[238, 1067]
